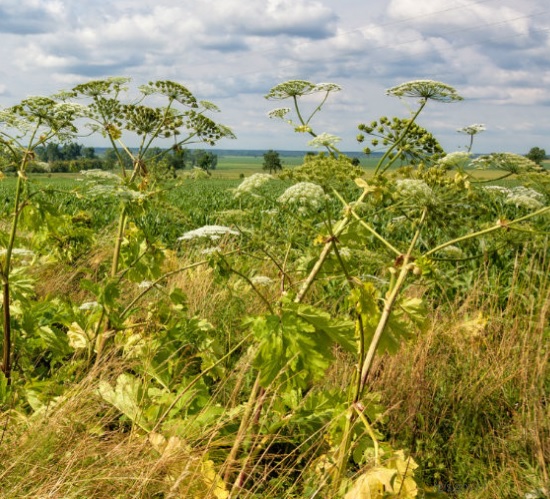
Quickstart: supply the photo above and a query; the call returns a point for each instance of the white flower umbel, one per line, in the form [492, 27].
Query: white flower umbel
[261, 280]
[304, 195]
[410, 188]
[251, 184]
[524, 197]
[472, 129]
[457, 159]
[89, 305]
[212, 232]
[17, 252]
[324, 140]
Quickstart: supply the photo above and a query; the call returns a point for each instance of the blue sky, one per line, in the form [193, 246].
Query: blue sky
[496, 53]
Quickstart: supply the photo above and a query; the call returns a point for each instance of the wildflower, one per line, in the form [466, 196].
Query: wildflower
[211, 251]
[524, 197]
[252, 183]
[457, 159]
[89, 305]
[497, 190]
[324, 140]
[280, 112]
[17, 252]
[472, 129]
[306, 195]
[413, 188]
[212, 232]
[145, 284]
[507, 161]
[296, 88]
[261, 280]
[426, 89]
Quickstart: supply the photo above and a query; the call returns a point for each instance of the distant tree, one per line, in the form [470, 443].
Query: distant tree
[537, 155]
[272, 161]
[206, 160]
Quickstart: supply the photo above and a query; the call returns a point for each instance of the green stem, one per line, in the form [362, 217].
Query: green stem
[118, 242]
[498, 226]
[388, 307]
[338, 230]
[245, 421]
[399, 140]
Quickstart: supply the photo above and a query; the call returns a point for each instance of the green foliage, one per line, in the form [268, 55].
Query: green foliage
[325, 170]
[272, 161]
[537, 155]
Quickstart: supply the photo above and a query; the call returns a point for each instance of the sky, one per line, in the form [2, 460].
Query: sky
[495, 53]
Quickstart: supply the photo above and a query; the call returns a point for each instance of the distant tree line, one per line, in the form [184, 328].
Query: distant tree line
[73, 157]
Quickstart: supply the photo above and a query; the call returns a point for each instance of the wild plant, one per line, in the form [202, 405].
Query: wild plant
[24, 127]
[295, 340]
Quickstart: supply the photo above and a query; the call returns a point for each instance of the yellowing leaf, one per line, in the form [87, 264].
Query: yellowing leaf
[374, 484]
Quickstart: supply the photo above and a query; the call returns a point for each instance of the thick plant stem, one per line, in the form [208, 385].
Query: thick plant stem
[398, 141]
[338, 230]
[241, 434]
[6, 354]
[365, 366]
[388, 307]
[5, 270]
[118, 242]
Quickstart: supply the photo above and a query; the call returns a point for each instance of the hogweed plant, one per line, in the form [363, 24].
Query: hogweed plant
[383, 316]
[24, 127]
[174, 114]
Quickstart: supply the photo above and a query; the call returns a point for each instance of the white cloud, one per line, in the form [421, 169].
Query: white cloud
[496, 53]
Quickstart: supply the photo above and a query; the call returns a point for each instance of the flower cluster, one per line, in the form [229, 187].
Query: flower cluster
[520, 196]
[457, 159]
[410, 188]
[251, 184]
[324, 140]
[212, 232]
[506, 161]
[426, 89]
[305, 195]
[472, 129]
[261, 280]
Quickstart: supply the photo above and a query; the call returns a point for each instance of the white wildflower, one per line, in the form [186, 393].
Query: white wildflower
[305, 195]
[413, 188]
[426, 89]
[457, 159]
[344, 252]
[280, 112]
[212, 232]
[145, 284]
[524, 197]
[324, 140]
[17, 252]
[89, 305]
[211, 251]
[472, 129]
[100, 175]
[252, 183]
[261, 280]
[497, 190]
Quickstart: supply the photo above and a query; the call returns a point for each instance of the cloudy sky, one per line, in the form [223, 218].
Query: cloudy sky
[496, 53]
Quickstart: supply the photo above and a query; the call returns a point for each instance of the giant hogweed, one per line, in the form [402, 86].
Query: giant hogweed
[23, 128]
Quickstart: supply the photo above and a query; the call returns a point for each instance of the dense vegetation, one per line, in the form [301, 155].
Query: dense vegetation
[327, 332]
